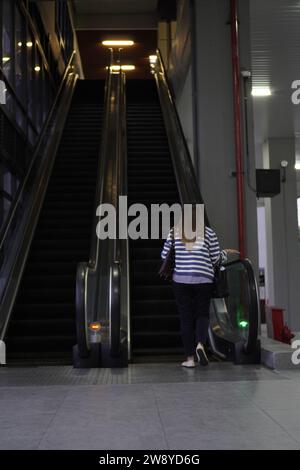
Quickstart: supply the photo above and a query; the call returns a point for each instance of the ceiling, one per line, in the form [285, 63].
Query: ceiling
[95, 57]
[91, 7]
[112, 19]
[275, 36]
[115, 14]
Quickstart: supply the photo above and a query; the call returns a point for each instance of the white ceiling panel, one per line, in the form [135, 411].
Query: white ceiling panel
[275, 36]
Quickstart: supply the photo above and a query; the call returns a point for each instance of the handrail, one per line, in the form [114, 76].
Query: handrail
[83, 267]
[27, 205]
[254, 310]
[7, 224]
[182, 163]
[100, 282]
[94, 250]
[120, 259]
[188, 187]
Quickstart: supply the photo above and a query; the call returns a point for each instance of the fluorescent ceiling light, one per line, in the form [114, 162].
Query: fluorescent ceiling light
[116, 68]
[19, 43]
[5, 59]
[297, 166]
[29, 44]
[37, 68]
[261, 91]
[127, 67]
[121, 42]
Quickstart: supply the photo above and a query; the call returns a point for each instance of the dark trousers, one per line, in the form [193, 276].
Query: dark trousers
[193, 302]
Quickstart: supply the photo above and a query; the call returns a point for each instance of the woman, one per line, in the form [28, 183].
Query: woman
[193, 276]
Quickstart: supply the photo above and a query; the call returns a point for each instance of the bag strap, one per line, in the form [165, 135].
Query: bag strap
[172, 236]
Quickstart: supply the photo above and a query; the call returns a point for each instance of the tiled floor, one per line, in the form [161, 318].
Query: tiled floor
[152, 406]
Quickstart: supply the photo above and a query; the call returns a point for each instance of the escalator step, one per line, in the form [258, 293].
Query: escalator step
[48, 311]
[42, 327]
[151, 179]
[148, 306]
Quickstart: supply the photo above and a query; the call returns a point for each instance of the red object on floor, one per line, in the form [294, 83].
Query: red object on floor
[277, 322]
[286, 335]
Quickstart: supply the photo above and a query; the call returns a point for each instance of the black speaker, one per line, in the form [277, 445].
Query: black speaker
[267, 183]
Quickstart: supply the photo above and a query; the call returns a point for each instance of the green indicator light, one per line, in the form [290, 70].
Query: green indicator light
[243, 324]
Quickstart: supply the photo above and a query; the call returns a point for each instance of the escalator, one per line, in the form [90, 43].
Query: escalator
[124, 311]
[42, 325]
[151, 179]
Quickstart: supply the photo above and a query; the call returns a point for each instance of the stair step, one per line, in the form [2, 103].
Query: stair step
[34, 344]
[42, 327]
[156, 339]
[61, 244]
[144, 253]
[148, 292]
[154, 354]
[59, 255]
[157, 322]
[46, 281]
[48, 311]
[150, 306]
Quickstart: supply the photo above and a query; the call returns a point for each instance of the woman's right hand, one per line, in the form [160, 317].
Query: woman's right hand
[232, 251]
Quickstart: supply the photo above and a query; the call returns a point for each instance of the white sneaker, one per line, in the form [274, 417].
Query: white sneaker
[201, 355]
[189, 363]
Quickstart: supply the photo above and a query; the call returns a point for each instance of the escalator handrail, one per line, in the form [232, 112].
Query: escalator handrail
[21, 189]
[112, 135]
[187, 183]
[94, 249]
[119, 260]
[182, 162]
[82, 326]
[26, 223]
[254, 306]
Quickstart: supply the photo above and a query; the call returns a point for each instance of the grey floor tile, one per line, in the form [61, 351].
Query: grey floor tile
[31, 392]
[118, 396]
[25, 401]
[291, 374]
[18, 443]
[110, 415]
[284, 396]
[32, 431]
[240, 421]
[227, 441]
[28, 407]
[211, 396]
[104, 435]
[15, 417]
[289, 419]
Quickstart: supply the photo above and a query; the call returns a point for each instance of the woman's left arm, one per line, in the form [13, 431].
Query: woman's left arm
[216, 254]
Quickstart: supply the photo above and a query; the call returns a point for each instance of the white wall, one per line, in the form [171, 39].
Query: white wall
[262, 248]
[180, 74]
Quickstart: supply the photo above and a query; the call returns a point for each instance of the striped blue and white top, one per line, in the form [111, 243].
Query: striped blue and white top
[196, 265]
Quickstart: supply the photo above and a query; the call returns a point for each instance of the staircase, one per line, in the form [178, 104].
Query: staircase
[154, 319]
[42, 328]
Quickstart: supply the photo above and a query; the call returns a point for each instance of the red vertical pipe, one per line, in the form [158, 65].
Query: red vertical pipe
[238, 126]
